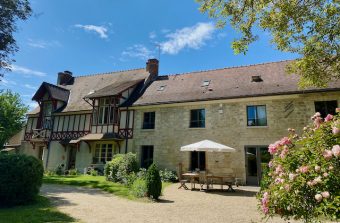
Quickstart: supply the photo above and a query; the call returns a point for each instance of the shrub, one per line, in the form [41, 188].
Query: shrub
[20, 178]
[303, 177]
[49, 173]
[121, 166]
[93, 172]
[153, 182]
[141, 173]
[60, 170]
[138, 188]
[168, 175]
[73, 172]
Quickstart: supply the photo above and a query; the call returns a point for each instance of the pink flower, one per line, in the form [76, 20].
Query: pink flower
[285, 141]
[270, 164]
[335, 130]
[304, 169]
[330, 167]
[317, 122]
[325, 174]
[328, 118]
[292, 176]
[284, 152]
[318, 197]
[278, 169]
[265, 209]
[337, 110]
[317, 114]
[279, 180]
[327, 154]
[336, 150]
[287, 187]
[318, 179]
[317, 168]
[272, 148]
[325, 194]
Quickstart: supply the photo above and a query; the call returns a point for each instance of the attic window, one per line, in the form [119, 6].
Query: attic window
[161, 88]
[256, 79]
[205, 83]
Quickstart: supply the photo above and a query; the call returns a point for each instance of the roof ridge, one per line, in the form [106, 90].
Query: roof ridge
[54, 85]
[106, 73]
[226, 68]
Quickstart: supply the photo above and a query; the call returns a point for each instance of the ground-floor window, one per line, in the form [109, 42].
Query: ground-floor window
[41, 152]
[103, 153]
[197, 161]
[146, 156]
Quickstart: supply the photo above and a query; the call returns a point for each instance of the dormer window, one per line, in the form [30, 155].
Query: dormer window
[161, 88]
[47, 113]
[205, 83]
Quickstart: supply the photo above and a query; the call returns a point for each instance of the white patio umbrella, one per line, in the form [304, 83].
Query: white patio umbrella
[207, 146]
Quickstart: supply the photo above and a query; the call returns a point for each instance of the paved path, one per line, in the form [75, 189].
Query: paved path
[93, 205]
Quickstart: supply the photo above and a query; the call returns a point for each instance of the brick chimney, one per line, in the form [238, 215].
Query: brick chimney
[152, 68]
[64, 78]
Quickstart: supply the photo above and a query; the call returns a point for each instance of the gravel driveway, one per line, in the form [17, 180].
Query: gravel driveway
[93, 205]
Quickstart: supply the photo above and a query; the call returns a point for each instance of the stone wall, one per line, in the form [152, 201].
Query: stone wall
[228, 127]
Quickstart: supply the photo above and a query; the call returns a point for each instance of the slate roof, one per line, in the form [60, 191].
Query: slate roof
[83, 85]
[114, 89]
[227, 83]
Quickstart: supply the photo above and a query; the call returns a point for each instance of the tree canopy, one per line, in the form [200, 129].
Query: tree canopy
[10, 12]
[12, 115]
[310, 28]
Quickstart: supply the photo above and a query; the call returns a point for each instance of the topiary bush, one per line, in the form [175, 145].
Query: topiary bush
[304, 174]
[153, 182]
[138, 188]
[20, 178]
[120, 168]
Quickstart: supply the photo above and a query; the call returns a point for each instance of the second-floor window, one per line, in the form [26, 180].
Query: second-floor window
[149, 120]
[47, 112]
[197, 118]
[326, 107]
[256, 115]
[105, 112]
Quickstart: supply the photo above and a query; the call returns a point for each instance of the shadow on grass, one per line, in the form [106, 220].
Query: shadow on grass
[39, 211]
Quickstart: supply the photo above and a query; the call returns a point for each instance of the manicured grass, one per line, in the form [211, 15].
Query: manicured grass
[39, 211]
[94, 182]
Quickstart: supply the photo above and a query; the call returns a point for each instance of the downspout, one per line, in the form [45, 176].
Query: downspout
[126, 126]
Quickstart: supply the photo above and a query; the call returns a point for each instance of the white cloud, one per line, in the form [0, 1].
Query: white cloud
[7, 83]
[30, 86]
[137, 51]
[193, 37]
[26, 71]
[152, 35]
[43, 44]
[100, 30]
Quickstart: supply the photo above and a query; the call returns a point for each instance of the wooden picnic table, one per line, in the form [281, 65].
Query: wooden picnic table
[194, 176]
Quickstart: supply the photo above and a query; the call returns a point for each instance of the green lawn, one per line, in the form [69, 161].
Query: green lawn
[40, 211]
[94, 182]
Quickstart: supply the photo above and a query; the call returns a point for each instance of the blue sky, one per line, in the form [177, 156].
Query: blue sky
[87, 37]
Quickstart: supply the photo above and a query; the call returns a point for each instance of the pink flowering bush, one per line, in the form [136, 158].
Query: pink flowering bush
[303, 178]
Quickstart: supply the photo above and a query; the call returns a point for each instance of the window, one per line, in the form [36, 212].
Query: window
[105, 112]
[197, 161]
[103, 153]
[149, 120]
[205, 83]
[326, 107]
[256, 115]
[197, 118]
[47, 112]
[146, 156]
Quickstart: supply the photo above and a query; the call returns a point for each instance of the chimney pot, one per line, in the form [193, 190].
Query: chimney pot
[64, 78]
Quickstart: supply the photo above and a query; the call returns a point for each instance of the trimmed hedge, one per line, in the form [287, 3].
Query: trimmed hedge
[20, 178]
[153, 182]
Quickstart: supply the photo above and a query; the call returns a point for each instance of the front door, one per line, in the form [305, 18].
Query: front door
[72, 158]
[257, 159]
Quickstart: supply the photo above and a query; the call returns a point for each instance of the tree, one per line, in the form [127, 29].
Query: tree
[10, 12]
[153, 182]
[12, 115]
[310, 28]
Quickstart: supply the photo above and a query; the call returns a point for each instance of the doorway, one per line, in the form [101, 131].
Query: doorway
[72, 153]
[257, 159]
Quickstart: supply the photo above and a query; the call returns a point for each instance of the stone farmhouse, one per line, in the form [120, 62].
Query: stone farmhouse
[83, 121]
